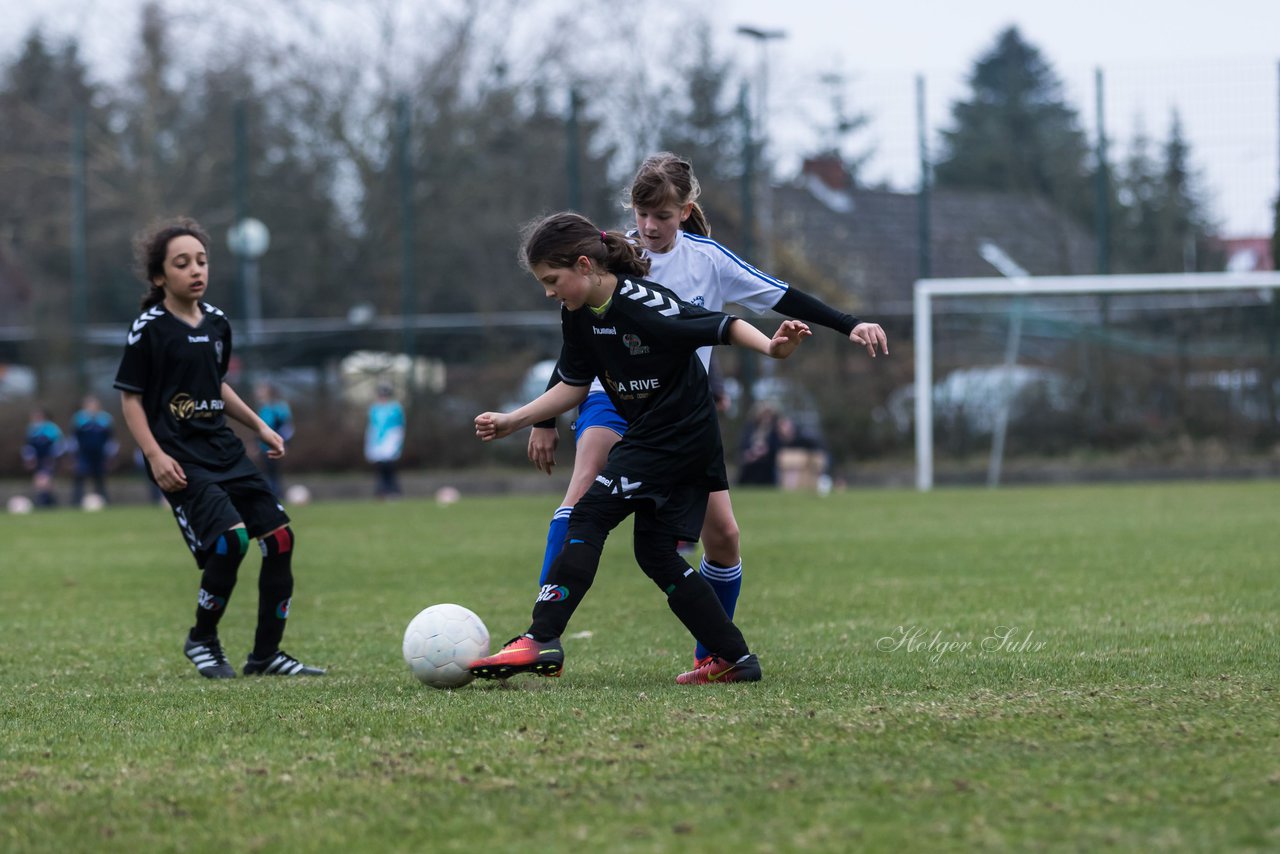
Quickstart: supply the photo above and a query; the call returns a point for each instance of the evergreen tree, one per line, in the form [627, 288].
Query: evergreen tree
[39, 96]
[1016, 133]
[1184, 226]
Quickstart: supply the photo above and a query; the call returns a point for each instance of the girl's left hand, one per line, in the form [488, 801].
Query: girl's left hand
[869, 335]
[275, 444]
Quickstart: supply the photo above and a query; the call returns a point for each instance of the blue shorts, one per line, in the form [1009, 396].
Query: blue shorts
[597, 411]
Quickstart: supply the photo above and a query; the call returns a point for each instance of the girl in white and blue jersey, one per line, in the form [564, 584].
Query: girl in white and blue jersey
[674, 232]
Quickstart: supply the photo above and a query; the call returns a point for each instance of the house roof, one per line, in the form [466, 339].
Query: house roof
[866, 242]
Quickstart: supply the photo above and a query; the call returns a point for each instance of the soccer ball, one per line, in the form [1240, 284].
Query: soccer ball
[441, 641]
[93, 502]
[19, 505]
[297, 495]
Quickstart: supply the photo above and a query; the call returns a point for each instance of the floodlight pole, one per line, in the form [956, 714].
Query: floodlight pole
[762, 37]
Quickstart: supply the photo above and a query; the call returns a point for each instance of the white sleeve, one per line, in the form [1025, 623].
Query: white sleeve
[743, 284]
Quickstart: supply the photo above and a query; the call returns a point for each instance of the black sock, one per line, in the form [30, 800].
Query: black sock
[218, 580]
[275, 590]
[568, 581]
[695, 604]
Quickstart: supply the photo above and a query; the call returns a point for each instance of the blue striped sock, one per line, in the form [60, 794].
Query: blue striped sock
[726, 581]
[556, 533]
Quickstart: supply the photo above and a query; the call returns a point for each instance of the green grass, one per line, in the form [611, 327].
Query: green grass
[1137, 708]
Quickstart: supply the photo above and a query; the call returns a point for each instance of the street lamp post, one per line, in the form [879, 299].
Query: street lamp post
[762, 37]
[248, 239]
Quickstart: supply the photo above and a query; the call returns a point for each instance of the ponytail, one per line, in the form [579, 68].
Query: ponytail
[560, 239]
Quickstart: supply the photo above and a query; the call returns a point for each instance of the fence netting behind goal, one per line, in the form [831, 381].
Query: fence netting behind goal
[1135, 381]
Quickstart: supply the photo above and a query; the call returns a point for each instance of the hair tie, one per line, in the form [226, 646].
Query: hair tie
[604, 237]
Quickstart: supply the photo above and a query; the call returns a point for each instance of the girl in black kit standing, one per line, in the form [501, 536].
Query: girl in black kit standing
[175, 402]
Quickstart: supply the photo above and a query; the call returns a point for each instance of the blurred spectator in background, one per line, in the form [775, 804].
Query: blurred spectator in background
[384, 440]
[275, 413]
[760, 443]
[801, 459]
[41, 451]
[95, 446]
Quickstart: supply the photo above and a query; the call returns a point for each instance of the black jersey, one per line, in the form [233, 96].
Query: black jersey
[178, 369]
[643, 347]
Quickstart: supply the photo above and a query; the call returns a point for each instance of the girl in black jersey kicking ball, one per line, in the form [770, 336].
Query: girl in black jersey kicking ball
[642, 342]
[175, 402]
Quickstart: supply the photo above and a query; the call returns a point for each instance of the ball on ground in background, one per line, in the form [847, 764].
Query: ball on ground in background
[447, 495]
[297, 495]
[19, 504]
[92, 502]
[441, 641]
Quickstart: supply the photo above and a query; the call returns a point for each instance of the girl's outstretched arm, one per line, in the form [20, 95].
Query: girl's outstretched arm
[783, 343]
[559, 398]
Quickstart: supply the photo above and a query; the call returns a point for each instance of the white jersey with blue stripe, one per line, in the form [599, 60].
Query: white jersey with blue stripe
[702, 272]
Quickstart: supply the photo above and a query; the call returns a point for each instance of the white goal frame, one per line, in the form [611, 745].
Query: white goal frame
[927, 289]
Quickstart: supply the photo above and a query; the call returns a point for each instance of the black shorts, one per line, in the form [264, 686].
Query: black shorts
[216, 501]
[676, 488]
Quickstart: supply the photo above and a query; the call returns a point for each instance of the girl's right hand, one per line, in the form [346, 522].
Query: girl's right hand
[168, 474]
[493, 425]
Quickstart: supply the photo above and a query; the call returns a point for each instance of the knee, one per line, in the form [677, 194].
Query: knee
[658, 557]
[233, 543]
[281, 541]
[720, 536]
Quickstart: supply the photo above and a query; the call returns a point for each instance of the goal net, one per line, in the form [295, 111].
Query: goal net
[1140, 375]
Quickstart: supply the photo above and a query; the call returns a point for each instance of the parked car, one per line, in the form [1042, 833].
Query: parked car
[972, 398]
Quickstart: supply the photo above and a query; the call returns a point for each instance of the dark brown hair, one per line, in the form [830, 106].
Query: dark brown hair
[667, 179]
[562, 238]
[151, 245]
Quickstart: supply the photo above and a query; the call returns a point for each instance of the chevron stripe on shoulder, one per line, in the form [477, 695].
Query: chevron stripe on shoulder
[135, 331]
[664, 304]
[212, 309]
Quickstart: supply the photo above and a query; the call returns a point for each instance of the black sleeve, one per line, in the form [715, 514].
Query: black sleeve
[135, 365]
[799, 305]
[224, 357]
[554, 378]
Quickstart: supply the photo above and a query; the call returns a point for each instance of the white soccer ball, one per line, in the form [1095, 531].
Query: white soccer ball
[20, 504]
[441, 641]
[297, 495]
[93, 502]
[447, 495]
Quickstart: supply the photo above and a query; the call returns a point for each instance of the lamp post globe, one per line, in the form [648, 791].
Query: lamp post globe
[249, 238]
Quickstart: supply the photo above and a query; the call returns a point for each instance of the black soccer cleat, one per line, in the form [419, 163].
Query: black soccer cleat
[280, 664]
[209, 659]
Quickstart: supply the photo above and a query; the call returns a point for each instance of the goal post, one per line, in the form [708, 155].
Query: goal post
[929, 291]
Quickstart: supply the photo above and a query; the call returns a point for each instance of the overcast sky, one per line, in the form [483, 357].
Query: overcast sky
[1215, 63]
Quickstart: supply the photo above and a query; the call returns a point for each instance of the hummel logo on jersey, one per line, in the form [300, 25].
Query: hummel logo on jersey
[135, 334]
[198, 339]
[604, 330]
[603, 481]
[653, 299]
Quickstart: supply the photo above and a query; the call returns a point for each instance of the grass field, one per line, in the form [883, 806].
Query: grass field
[1128, 703]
